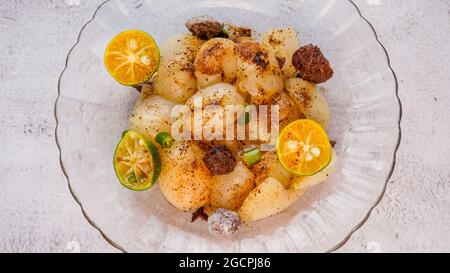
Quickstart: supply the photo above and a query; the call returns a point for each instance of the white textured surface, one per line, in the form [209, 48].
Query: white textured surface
[37, 213]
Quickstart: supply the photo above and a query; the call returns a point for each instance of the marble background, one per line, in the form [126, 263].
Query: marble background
[38, 214]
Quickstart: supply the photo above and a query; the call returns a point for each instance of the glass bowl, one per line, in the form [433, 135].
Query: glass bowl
[93, 110]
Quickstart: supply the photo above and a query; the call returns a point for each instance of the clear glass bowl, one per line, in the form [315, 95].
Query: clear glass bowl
[93, 110]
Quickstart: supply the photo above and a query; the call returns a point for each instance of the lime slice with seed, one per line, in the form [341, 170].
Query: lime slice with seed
[137, 162]
[304, 148]
[132, 57]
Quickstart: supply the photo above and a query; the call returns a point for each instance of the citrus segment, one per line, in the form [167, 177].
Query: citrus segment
[132, 57]
[304, 148]
[137, 162]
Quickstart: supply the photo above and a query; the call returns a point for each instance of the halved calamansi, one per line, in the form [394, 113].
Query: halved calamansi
[137, 162]
[304, 148]
[132, 57]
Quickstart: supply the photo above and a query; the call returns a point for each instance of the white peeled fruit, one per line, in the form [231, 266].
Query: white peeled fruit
[230, 190]
[270, 166]
[213, 101]
[151, 115]
[268, 199]
[216, 62]
[283, 42]
[310, 100]
[221, 94]
[185, 181]
[259, 73]
[289, 111]
[175, 79]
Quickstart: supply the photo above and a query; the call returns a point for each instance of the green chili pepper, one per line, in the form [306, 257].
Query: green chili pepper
[164, 139]
[252, 157]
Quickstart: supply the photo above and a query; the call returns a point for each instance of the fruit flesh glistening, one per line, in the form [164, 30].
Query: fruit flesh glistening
[136, 162]
[304, 148]
[132, 57]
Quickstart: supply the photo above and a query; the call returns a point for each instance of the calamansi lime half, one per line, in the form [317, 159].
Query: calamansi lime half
[132, 57]
[304, 148]
[137, 162]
